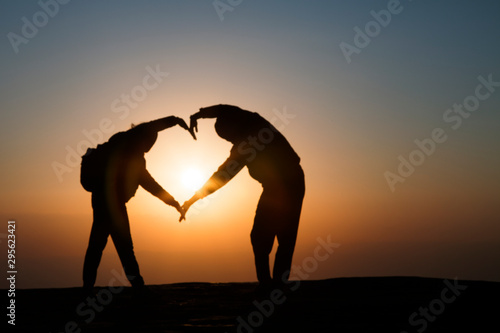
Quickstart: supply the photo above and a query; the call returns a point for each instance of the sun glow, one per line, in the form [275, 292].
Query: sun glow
[192, 179]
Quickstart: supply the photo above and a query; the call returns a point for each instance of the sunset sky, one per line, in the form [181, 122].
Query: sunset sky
[392, 106]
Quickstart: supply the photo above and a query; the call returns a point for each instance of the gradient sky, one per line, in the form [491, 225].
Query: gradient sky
[350, 121]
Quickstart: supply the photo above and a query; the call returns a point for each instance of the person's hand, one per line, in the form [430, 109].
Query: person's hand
[193, 125]
[182, 212]
[190, 130]
[182, 123]
[186, 205]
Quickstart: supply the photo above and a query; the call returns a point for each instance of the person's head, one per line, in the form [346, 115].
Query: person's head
[142, 138]
[228, 129]
[233, 124]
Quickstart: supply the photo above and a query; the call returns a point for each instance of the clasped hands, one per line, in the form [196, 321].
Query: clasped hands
[184, 208]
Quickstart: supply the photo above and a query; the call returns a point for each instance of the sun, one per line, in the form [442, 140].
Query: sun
[192, 179]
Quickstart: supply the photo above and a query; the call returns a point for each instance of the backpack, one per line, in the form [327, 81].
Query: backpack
[93, 167]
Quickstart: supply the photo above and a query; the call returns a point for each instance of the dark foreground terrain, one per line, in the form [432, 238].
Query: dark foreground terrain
[385, 304]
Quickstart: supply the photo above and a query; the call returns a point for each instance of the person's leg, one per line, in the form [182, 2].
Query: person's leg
[97, 242]
[262, 237]
[122, 239]
[287, 230]
[284, 253]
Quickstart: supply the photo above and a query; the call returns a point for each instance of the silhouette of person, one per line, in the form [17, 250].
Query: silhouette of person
[270, 160]
[125, 170]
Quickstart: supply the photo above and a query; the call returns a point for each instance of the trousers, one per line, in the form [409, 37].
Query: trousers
[110, 219]
[277, 216]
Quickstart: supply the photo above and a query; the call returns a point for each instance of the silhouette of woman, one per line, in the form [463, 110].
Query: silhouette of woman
[270, 160]
[125, 169]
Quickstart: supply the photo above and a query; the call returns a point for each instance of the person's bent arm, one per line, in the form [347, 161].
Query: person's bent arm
[209, 112]
[150, 185]
[167, 122]
[221, 177]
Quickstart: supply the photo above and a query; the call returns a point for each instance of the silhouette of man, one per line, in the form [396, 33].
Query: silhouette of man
[125, 170]
[270, 160]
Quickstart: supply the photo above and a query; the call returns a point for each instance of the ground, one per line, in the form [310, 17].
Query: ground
[376, 304]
